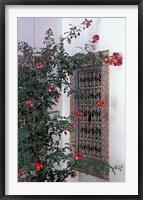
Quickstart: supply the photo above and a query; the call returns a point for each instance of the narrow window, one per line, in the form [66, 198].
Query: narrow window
[91, 83]
[89, 132]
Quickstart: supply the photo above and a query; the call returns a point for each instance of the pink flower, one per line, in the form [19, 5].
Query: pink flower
[39, 65]
[51, 88]
[29, 103]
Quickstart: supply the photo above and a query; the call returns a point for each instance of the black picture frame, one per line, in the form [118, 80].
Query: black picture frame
[3, 3]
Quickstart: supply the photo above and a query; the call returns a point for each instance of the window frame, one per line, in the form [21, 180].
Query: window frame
[105, 114]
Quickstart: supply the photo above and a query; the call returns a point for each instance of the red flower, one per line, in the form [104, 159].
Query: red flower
[51, 88]
[117, 59]
[29, 180]
[78, 112]
[114, 62]
[69, 128]
[107, 59]
[100, 103]
[39, 65]
[115, 54]
[29, 103]
[95, 38]
[77, 155]
[38, 166]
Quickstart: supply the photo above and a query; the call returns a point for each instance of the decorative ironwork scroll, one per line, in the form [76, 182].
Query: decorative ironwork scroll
[90, 124]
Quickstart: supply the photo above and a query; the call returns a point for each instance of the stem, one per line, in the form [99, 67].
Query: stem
[37, 155]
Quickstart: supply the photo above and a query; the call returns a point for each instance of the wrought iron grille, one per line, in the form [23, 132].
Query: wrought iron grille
[89, 82]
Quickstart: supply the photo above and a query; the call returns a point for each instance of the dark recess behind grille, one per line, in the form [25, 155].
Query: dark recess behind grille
[89, 132]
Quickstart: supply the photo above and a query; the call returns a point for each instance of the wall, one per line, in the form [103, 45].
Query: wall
[112, 37]
[26, 29]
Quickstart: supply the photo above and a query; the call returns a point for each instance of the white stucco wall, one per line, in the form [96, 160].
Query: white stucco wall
[112, 37]
[26, 29]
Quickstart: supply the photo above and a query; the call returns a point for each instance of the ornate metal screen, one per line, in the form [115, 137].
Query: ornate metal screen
[89, 133]
[92, 134]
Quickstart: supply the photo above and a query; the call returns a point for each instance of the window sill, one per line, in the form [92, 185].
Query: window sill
[93, 167]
